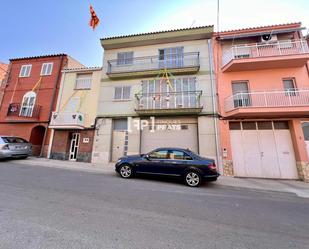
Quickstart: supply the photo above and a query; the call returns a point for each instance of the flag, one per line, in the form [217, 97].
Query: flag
[94, 20]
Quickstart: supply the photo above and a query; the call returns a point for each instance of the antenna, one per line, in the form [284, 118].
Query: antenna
[192, 23]
[218, 15]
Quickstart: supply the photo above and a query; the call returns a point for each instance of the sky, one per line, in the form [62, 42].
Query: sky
[39, 27]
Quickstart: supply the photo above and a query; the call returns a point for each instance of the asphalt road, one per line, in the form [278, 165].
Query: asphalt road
[54, 208]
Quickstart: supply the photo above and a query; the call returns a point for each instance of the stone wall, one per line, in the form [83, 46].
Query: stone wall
[228, 169]
[303, 170]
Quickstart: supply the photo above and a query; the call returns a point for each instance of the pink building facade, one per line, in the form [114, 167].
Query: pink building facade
[263, 95]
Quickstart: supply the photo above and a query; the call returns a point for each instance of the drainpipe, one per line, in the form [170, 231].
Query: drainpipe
[52, 103]
[214, 105]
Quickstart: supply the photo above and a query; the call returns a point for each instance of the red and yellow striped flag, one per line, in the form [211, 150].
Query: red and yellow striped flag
[94, 20]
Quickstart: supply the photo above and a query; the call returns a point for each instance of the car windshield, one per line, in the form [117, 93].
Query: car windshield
[11, 140]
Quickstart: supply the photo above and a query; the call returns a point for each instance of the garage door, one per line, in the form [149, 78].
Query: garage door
[168, 133]
[263, 149]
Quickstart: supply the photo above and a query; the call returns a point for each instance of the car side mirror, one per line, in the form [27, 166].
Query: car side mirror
[147, 157]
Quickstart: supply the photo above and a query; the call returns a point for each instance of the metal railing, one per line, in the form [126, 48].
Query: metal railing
[67, 119]
[258, 50]
[169, 100]
[287, 98]
[148, 63]
[17, 110]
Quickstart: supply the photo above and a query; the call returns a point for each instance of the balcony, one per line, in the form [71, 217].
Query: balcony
[265, 56]
[289, 103]
[186, 63]
[169, 103]
[18, 112]
[67, 120]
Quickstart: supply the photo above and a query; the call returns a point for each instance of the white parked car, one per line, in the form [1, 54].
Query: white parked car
[14, 147]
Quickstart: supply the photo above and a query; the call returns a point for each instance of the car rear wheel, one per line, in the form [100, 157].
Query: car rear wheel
[126, 171]
[193, 179]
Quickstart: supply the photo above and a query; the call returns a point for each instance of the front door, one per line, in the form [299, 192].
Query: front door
[74, 146]
[118, 144]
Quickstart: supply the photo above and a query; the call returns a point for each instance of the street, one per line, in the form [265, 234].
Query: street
[58, 208]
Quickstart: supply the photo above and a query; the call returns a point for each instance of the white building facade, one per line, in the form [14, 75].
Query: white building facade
[157, 90]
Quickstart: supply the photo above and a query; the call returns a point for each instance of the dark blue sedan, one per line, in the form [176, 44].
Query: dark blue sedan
[169, 162]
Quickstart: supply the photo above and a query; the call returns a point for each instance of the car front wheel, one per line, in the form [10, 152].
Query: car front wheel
[126, 171]
[193, 179]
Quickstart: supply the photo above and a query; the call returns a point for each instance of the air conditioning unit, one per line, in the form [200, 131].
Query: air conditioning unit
[269, 38]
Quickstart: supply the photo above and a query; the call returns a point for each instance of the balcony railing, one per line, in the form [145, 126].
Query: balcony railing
[149, 63]
[67, 119]
[17, 110]
[288, 98]
[259, 50]
[172, 100]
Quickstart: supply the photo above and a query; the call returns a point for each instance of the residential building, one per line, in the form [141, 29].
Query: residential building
[3, 73]
[3, 70]
[73, 121]
[30, 93]
[263, 94]
[156, 90]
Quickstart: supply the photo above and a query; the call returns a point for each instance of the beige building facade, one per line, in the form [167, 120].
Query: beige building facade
[157, 90]
[73, 122]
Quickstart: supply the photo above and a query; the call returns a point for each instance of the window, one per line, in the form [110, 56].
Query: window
[25, 71]
[125, 58]
[47, 69]
[265, 125]
[120, 125]
[181, 92]
[241, 93]
[281, 125]
[27, 104]
[242, 51]
[122, 92]
[248, 125]
[305, 127]
[171, 57]
[234, 126]
[289, 87]
[178, 155]
[158, 154]
[83, 81]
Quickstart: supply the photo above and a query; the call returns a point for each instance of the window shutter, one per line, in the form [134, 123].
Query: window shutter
[240, 87]
[288, 84]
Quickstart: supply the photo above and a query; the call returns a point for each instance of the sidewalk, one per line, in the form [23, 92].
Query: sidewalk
[299, 188]
[81, 166]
